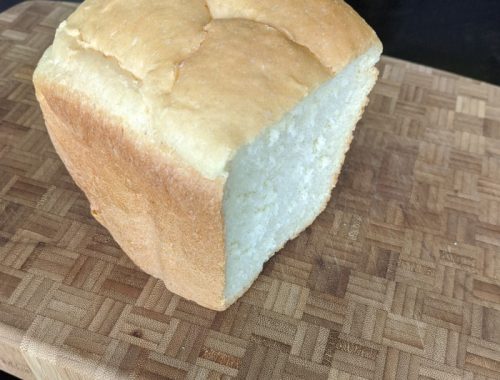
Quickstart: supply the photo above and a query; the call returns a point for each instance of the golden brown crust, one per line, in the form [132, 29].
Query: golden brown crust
[330, 29]
[211, 81]
[174, 228]
[150, 52]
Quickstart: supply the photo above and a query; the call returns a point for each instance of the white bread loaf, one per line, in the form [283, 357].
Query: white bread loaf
[206, 134]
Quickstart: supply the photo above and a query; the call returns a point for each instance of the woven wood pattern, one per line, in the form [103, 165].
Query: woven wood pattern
[398, 278]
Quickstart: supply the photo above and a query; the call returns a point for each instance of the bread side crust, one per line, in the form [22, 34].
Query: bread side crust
[163, 213]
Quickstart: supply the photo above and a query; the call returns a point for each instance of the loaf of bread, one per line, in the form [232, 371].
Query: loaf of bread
[206, 133]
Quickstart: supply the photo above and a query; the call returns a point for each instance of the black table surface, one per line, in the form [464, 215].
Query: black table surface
[461, 36]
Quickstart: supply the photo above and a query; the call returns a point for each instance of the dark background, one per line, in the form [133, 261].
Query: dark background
[461, 36]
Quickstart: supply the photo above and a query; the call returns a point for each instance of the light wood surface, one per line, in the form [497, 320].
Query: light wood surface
[398, 278]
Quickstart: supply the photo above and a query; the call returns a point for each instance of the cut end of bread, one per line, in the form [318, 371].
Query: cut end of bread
[278, 184]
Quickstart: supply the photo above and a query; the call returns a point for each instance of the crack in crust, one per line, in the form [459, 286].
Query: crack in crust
[86, 44]
[297, 20]
[330, 29]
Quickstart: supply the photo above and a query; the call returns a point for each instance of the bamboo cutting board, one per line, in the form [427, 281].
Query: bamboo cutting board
[398, 278]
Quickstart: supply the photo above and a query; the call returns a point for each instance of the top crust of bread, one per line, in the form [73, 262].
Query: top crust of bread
[212, 75]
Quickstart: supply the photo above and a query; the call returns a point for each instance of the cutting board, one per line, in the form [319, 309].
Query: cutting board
[398, 278]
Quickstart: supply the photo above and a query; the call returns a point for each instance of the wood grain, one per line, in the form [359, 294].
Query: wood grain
[398, 278]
